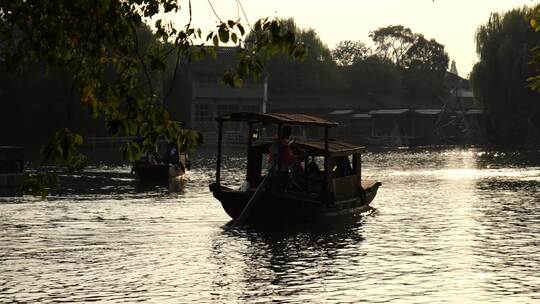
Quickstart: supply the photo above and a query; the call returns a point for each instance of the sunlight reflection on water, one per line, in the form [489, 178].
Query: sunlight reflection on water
[452, 226]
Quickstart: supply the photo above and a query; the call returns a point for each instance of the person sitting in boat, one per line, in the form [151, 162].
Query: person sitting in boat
[298, 177]
[149, 157]
[176, 166]
[154, 158]
[342, 167]
[314, 176]
[312, 167]
[172, 157]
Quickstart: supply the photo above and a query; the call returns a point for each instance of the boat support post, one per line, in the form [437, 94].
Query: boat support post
[249, 146]
[329, 191]
[250, 139]
[278, 158]
[218, 160]
[359, 162]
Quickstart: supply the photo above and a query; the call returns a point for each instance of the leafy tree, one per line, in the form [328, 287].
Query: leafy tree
[426, 54]
[499, 78]
[98, 43]
[315, 72]
[348, 52]
[392, 42]
[425, 64]
[375, 75]
[534, 19]
[422, 63]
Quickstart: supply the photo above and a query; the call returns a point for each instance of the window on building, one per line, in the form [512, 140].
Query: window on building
[224, 109]
[202, 112]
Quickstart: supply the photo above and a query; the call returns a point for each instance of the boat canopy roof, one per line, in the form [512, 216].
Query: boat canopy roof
[278, 118]
[316, 147]
[334, 147]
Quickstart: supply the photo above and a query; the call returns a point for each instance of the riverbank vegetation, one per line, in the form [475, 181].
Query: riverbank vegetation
[499, 79]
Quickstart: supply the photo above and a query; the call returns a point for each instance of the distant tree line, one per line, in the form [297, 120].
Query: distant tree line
[401, 63]
[499, 79]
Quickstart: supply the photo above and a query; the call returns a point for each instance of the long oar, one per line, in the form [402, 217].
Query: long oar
[249, 206]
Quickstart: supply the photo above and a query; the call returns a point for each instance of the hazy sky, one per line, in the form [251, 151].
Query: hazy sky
[450, 22]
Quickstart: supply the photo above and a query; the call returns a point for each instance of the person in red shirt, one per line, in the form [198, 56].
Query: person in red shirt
[286, 157]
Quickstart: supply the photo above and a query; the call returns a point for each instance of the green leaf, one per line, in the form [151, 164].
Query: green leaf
[228, 79]
[77, 139]
[275, 29]
[534, 24]
[223, 34]
[241, 29]
[237, 81]
[258, 26]
[169, 6]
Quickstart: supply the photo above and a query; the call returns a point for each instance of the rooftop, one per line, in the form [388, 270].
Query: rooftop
[278, 118]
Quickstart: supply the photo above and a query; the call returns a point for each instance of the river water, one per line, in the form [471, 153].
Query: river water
[448, 226]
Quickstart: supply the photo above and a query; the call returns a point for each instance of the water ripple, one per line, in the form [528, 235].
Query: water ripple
[449, 226]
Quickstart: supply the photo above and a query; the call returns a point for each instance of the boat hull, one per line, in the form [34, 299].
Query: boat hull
[283, 205]
[156, 172]
[151, 172]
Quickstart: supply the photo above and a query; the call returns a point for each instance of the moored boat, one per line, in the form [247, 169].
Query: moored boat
[337, 188]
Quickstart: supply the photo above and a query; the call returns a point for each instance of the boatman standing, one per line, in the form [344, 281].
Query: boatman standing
[286, 157]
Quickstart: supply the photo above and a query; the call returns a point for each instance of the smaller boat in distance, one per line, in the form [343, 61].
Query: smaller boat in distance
[166, 163]
[147, 172]
[309, 192]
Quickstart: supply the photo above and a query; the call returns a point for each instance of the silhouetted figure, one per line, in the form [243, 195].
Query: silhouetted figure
[298, 177]
[314, 176]
[286, 157]
[172, 155]
[342, 167]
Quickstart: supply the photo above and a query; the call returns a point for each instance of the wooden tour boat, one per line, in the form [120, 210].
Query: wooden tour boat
[337, 188]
